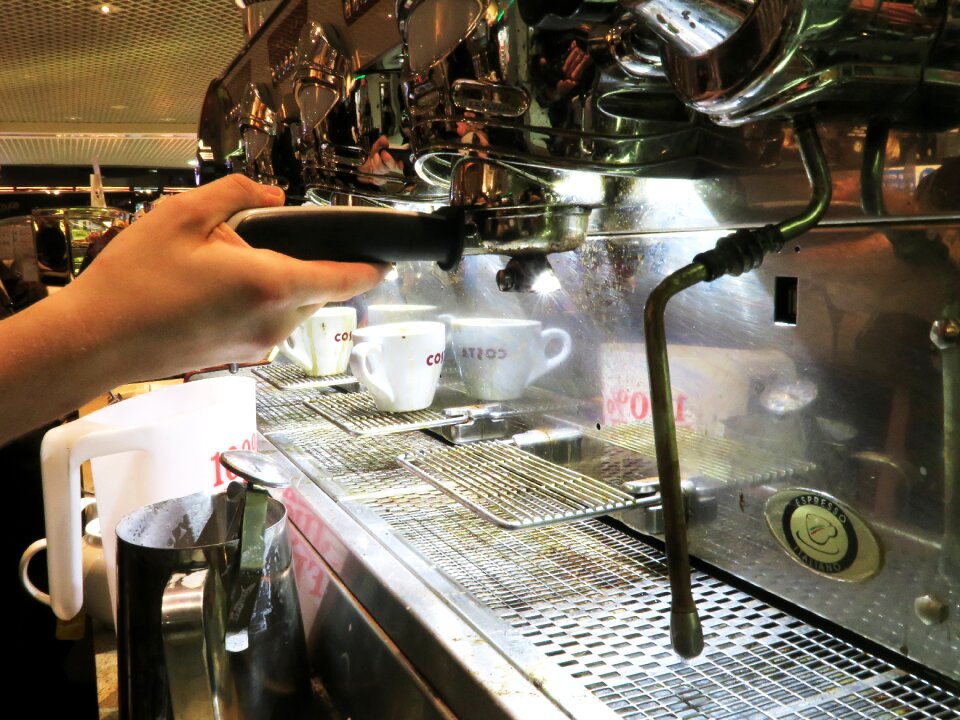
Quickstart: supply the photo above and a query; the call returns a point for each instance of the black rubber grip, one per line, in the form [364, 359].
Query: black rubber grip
[354, 234]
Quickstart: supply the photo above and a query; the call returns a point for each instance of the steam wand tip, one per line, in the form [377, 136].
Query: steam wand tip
[686, 633]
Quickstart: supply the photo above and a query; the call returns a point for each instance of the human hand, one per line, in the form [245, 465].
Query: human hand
[574, 65]
[179, 290]
[379, 163]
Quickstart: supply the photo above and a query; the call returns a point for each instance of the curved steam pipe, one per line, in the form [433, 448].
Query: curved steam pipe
[871, 169]
[734, 254]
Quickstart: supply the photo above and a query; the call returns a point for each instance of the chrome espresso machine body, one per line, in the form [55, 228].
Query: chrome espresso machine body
[746, 217]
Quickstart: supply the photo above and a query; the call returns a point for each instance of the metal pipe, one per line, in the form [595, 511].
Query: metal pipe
[734, 254]
[871, 169]
[818, 173]
[686, 634]
[946, 336]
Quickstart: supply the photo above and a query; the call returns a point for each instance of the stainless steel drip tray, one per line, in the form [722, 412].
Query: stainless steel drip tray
[514, 489]
[586, 605]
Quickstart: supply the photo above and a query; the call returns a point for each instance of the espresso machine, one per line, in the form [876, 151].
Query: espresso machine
[739, 496]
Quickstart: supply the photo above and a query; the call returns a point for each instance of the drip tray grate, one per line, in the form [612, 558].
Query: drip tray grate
[718, 458]
[292, 377]
[514, 489]
[356, 413]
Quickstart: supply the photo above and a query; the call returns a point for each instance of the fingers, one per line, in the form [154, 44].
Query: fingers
[382, 143]
[580, 66]
[321, 281]
[209, 205]
[388, 162]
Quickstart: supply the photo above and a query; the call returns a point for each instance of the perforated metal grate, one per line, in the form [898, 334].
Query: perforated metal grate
[596, 601]
[66, 68]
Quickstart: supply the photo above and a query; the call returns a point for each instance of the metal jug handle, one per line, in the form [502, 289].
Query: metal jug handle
[184, 646]
[262, 473]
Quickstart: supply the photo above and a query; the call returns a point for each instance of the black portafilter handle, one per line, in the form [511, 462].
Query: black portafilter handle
[353, 234]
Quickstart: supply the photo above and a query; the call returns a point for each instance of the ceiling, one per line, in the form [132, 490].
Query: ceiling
[122, 88]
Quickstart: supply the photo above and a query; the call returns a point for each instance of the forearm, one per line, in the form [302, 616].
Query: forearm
[51, 363]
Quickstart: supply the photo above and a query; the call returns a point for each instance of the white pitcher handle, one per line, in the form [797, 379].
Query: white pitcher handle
[62, 451]
[366, 364]
[551, 362]
[294, 348]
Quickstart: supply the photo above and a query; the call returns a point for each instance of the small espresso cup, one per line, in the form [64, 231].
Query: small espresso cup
[383, 314]
[321, 345]
[499, 358]
[399, 363]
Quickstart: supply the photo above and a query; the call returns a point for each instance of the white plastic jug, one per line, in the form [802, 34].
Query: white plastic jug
[158, 446]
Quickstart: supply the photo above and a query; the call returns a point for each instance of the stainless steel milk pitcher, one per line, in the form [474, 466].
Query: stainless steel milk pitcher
[209, 622]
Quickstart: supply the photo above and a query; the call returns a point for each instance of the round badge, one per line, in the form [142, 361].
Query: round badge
[823, 534]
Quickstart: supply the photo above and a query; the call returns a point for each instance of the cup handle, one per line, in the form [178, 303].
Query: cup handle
[366, 364]
[34, 592]
[62, 451]
[294, 348]
[32, 549]
[551, 362]
[447, 320]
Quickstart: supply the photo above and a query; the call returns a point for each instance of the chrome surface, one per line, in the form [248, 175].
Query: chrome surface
[832, 367]
[320, 76]
[287, 376]
[357, 414]
[258, 469]
[258, 126]
[514, 489]
[551, 96]
[740, 61]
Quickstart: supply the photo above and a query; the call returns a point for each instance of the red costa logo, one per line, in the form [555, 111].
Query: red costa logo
[342, 336]
[484, 353]
[435, 359]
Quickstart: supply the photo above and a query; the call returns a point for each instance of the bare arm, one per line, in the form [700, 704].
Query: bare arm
[176, 291]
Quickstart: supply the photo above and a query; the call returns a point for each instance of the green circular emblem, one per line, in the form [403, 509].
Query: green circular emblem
[820, 534]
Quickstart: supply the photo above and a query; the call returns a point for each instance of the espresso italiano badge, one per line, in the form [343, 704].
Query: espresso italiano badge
[824, 535]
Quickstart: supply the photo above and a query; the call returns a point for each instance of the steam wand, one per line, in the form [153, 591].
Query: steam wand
[734, 254]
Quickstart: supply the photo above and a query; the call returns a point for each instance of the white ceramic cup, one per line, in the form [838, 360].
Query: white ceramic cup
[157, 446]
[96, 589]
[321, 345]
[399, 363]
[499, 358]
[383, 314]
